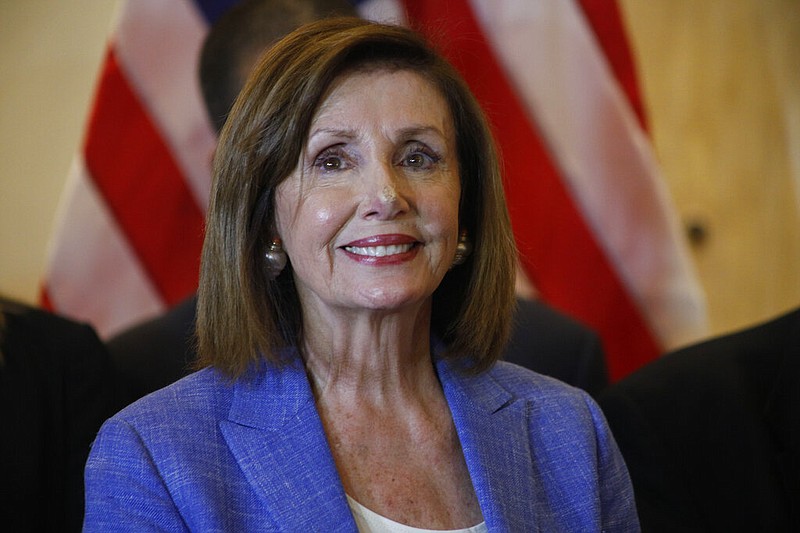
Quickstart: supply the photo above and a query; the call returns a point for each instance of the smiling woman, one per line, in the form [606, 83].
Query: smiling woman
[356, 293]
[292, 123]
[370, 215]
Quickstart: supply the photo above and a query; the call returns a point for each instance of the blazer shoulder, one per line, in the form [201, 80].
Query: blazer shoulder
[523, 382]
[565, 424]
[201, 397]
[551, 400]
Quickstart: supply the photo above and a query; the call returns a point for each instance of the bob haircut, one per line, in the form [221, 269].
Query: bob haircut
[245, 318]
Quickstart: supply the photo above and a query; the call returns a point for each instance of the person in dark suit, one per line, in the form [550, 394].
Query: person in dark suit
[711, 433]
[157, 352]
[56, 389]
[552, 343]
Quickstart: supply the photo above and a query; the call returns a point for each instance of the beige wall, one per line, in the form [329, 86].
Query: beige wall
[50, 51]
[719, 78]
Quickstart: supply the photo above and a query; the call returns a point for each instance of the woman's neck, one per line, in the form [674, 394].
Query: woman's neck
[386, 418]
[369, 356]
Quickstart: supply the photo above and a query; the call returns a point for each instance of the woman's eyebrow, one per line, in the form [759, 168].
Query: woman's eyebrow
[404, 133]
[332, 132]
[413, 131]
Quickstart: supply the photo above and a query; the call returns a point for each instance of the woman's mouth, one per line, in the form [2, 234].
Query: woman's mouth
[383, 249]
[379, 251]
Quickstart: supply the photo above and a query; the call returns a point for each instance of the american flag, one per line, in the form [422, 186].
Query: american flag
[598, 236]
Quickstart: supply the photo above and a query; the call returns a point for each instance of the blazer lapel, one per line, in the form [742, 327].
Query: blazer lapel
[276, 435]
[492, 428]
[277, 438]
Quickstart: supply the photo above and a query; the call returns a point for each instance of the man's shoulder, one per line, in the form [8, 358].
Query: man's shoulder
[731, 362]
[552, 343]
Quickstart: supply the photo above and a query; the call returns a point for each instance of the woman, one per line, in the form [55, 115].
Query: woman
[356, 287]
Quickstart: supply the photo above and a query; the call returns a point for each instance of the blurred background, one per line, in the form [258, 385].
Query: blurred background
[720, 81]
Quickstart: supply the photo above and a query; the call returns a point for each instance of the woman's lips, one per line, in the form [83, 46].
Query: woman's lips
[383, 249]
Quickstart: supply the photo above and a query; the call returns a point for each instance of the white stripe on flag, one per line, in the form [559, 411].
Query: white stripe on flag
[158, 45]
[103, 285]
[553, 60]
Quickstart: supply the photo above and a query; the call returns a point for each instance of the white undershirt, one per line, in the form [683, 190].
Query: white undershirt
[371, 522]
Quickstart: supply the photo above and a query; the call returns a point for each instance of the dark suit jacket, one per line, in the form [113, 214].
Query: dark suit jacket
[711, 434]
[156, 353]
[55, 391]
[551, 343]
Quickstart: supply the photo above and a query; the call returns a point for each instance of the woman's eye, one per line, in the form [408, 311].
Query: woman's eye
[415, 160]
[331, 161]
[420, 158]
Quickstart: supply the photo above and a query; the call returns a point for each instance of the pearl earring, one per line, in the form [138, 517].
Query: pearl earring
[463, 249]
[276, 258]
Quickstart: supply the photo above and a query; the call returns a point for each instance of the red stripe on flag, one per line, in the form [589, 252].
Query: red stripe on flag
[558, 250]
[44, 299]
[143, 186]
[605, 19]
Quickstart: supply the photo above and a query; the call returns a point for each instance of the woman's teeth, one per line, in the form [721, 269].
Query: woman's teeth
[379, 251]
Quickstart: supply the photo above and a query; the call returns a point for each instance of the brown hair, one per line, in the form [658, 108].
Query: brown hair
[244, 317]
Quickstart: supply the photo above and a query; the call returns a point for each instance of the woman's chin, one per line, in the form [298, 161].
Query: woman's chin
[391, 298]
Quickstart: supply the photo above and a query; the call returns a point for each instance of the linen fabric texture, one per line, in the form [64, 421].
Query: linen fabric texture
[210, 454]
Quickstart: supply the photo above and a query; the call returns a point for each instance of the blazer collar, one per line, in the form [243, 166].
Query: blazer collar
[276, 435]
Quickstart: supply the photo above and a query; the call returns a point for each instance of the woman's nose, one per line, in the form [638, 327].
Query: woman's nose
[386, 197]
[388, 194]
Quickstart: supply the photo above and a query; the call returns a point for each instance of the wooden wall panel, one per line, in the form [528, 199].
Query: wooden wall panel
[720, 81]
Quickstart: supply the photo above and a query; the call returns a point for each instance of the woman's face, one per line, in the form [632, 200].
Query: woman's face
[369, 218]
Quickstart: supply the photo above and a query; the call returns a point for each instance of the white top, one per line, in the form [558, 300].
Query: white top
[371, 522]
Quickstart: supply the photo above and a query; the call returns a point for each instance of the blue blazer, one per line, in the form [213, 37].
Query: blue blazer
[208, 454]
